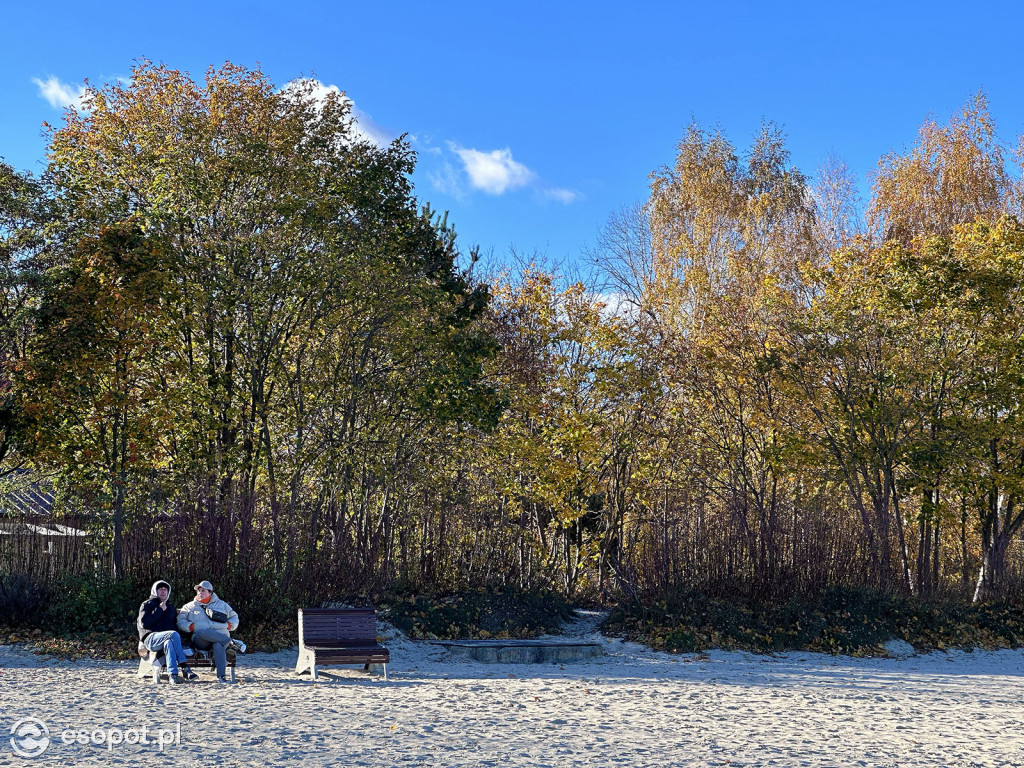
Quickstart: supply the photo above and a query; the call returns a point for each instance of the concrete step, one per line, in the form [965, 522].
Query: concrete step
[521, 651]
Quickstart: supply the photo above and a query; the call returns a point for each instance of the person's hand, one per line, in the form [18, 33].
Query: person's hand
[163, 606]
[191, 627]
[230, 626]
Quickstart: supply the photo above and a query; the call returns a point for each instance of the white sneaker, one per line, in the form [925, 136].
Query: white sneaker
[188, 652]
[238, 645]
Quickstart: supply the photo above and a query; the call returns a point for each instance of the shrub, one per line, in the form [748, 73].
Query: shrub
[496, 612]
[837, 620]
[92, 603]
[21, 599]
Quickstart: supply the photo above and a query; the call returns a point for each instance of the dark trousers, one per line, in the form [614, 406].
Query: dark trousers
[204, 639]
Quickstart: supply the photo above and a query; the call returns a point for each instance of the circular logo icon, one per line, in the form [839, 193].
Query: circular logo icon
[29, 737]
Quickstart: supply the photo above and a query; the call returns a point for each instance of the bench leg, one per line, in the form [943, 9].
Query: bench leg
[385, 671]
[302, 665]
[146, 669]
[233, 673]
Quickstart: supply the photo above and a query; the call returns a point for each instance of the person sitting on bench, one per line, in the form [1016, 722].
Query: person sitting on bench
[210, 620]
[156, 630]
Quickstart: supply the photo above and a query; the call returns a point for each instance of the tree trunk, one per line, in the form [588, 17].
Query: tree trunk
[993, 566]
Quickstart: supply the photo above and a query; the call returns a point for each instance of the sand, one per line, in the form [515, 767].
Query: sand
[631, 707]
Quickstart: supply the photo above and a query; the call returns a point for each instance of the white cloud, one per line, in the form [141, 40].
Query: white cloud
[493, 172]
[364, 126]
[60, 94]
[368, 128]
[560, 195]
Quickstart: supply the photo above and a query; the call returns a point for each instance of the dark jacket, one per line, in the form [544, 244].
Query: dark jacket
[151, 618]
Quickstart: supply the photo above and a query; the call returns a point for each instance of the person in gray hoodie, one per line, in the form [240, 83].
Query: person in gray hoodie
[156, 630]
[210, 620]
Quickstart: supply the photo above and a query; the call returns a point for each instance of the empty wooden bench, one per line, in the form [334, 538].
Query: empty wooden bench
[200, 660]
[330, 636]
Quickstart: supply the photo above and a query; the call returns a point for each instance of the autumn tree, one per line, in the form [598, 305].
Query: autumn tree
[322, 325]
[730, 236]
[565, 445]
[94, 382]
[854, 362]
[23, 214]
[955, 174]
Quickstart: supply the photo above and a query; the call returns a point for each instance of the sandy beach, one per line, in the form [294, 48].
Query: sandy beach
[630, 707]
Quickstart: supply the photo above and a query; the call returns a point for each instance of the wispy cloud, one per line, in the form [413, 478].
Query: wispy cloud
[365, 127]
[456, 170]
[60, 94]
[561, 195]
[446, 179]
[493, 172]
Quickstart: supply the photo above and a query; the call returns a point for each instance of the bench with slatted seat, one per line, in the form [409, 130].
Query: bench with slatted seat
[330, 636]
[200, 660]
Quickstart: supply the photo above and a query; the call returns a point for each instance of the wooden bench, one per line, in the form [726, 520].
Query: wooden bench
[339, 636]
[199, 660]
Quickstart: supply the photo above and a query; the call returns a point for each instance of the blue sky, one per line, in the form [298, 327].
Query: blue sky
[536, 121]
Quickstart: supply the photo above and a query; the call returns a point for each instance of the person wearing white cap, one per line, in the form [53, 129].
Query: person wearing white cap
[211, 621]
